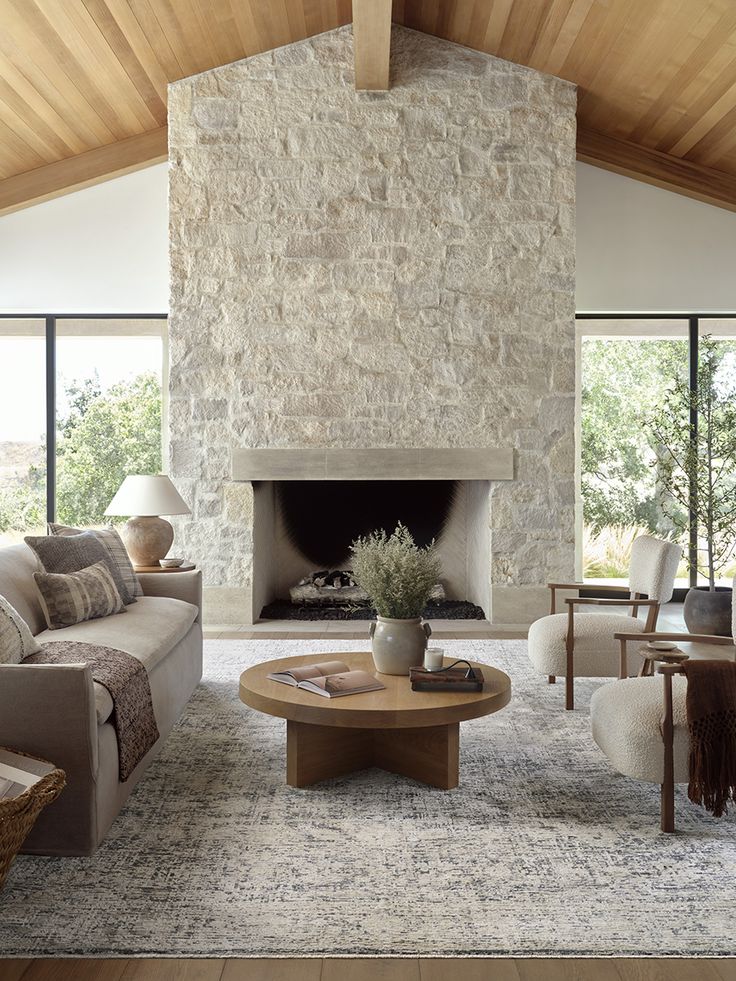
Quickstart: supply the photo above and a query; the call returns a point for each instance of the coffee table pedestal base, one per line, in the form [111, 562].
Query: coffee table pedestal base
[430, 754]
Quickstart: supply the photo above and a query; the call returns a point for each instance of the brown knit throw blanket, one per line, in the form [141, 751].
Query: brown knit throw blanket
[711, 720]
[127, 681]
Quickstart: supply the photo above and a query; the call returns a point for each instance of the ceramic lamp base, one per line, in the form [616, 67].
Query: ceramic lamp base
[147, 539]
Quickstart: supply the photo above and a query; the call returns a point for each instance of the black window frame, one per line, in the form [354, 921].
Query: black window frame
[693, 337]
[50, 320]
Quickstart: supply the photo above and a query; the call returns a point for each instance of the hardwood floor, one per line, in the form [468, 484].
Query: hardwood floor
[372, 969]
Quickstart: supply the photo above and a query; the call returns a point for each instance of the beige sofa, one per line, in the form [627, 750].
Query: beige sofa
[59, 713]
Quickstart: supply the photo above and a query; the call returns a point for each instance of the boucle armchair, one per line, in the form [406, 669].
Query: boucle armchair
[640, 724]
[583, 644]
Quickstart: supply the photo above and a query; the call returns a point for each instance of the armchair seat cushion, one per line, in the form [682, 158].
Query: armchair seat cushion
[151, 628]
[626, 718]
[596, 649]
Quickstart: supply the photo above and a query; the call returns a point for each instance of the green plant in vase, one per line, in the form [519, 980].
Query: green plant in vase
[398, 576]
[697, 473]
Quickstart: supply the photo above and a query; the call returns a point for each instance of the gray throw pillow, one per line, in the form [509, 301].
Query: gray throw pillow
[110, 538]
[70, 553]
[16, 639]
[84, 595]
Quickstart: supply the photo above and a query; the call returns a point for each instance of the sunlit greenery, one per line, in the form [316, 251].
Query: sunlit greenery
[101, 437]
[626, 474]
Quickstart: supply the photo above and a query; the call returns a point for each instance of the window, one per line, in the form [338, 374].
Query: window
[22, 429]
[81, 402]
[627, 365]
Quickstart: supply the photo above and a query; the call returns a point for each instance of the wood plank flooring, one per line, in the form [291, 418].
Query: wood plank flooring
[372, 969]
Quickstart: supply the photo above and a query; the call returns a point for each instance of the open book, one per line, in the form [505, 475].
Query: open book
[18, 773]
[331, 679]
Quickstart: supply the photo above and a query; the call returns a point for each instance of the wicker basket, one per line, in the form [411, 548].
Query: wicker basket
[18, 814]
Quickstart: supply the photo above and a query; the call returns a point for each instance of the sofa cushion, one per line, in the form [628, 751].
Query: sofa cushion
[70, 553]
[149, 630]
[69, 599]
[16, 639]
[17, 565]
[110, 539]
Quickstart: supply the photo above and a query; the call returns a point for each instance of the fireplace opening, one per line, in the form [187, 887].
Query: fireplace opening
[303, 529]
[324, 517]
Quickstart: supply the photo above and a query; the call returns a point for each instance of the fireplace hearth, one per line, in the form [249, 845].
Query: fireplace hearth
[442, 610]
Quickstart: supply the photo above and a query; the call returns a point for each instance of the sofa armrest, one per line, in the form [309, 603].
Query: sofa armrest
[185, 586]
[48, 710]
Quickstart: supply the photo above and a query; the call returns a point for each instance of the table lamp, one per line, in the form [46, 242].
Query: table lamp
[147, 536]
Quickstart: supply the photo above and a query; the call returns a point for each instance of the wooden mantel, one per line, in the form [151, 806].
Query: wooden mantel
[436, 463]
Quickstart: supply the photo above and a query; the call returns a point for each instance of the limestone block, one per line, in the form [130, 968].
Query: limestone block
[214, 115]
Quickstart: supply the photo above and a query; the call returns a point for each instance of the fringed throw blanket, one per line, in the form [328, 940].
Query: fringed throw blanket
[127, 681]
[711, 720]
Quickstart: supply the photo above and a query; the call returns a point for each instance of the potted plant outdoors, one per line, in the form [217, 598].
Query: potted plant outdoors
[702, 459]
[398, 577]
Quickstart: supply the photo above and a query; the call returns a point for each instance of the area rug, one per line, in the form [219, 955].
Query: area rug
[542, 850]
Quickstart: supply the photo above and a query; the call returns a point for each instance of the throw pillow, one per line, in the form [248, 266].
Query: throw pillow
[16, 639]
[71, 553]
[110, 538]
[88, 594]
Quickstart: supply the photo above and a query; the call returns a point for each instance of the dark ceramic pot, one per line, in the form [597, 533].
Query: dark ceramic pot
[709, 612]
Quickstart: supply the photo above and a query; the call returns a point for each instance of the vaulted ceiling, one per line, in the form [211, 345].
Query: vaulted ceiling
[83, 82]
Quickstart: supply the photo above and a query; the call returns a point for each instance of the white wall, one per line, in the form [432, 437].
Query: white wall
[100, 250]
[641, 249]
[104, 249]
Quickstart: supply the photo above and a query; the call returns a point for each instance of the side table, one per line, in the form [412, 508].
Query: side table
[160, 568]
[672, 656]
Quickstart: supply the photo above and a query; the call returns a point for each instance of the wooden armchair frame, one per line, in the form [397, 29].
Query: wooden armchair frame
[633, 600]
[667, 790]
[554, 586]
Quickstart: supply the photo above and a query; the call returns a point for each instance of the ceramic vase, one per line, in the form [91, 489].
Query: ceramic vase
[398, 645]
[708, 612]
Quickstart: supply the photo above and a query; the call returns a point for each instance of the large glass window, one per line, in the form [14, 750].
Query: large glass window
[631, 370]
[22, 429]
[108, 412]
[103, 378]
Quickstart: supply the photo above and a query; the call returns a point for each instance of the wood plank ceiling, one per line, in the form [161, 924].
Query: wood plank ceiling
[83, 82]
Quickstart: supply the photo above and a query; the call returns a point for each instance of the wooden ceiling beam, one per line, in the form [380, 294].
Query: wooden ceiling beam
[371, 43]
[83, 170]
[654, 167]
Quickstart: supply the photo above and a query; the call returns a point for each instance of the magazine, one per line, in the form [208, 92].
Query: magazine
[18, 773]
[329, 679]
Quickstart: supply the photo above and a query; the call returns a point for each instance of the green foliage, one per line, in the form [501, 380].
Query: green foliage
[607, 550]
[23, 504]
[702, 456]
[622, 382]
[102, 437]
[397, 575]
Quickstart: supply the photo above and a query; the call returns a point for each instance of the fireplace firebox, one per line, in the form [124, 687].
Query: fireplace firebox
[309, 505]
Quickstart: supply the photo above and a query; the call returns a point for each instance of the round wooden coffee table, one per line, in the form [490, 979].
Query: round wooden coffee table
[416, 734]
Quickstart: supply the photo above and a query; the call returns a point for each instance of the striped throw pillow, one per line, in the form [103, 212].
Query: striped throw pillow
[71, 598]
[16, 639]
[110, 538]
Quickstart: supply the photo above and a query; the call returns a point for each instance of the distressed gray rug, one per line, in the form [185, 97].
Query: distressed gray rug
[543, 850]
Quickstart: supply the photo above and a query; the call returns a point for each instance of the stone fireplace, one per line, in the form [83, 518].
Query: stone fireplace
[358, 272]
[401, 481]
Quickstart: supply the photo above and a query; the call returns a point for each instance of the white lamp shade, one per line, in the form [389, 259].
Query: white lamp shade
[143, 495]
